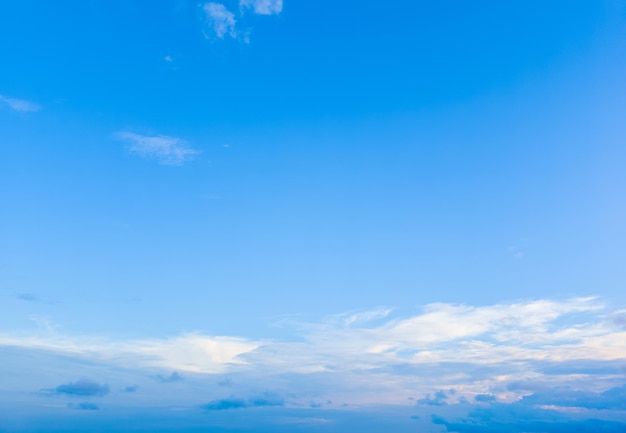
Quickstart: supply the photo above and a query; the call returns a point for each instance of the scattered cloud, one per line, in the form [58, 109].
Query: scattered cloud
[564, 396]
[29, 297]
[168, 59]
[226, 382]
[221, 20]
[225, 404]
[224, 22]
[551, 410]
[263, 7]
[530, 425]
[44, 323]
[367, 316]
[439, 399]
[485, 398]
[81, 388]
[262, 400]
[20, 104]
[84, 406]
[166, 150]
[495, 353]
[174, 377]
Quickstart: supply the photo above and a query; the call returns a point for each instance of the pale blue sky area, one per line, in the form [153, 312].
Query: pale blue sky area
[253, 190]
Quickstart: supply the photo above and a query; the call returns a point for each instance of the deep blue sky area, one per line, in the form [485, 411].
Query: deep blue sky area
[351, 212]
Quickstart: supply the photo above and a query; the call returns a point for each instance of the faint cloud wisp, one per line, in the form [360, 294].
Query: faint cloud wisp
[263, 7]
[20, 104]
[221, 19]
[223, 22]
[165, 149]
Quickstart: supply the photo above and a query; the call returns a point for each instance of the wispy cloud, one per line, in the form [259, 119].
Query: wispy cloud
[221, 20]
[166, 150]
[263, 7]
[189, 353]
[20, 104]
[372, 358]
[224, 22]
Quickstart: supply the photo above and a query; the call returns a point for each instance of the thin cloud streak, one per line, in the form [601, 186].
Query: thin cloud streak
[166, 150]
[21, 105]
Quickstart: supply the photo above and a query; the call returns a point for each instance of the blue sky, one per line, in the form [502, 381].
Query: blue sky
[265, 215]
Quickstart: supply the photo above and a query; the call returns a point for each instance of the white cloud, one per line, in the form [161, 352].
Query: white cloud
[20, 104]
[165, 149]
[221, 19]
[472, 349]
[223, 22]
[366, 316]
[263, 7]
[188, 352]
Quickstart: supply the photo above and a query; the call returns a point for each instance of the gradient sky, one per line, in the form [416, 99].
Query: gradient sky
[319, 216]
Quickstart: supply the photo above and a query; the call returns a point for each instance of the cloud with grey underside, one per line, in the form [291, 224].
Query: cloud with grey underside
[438, 399]
[174, 377]
[267, 399]
[86, 405]
[80, 388]
[557, 410]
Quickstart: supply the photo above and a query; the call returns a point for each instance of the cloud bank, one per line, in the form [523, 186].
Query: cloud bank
[442, 356]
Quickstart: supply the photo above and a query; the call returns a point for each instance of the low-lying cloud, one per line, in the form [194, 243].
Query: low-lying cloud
[557, 410]
[496, 353]
[266, 399]
[80, 388]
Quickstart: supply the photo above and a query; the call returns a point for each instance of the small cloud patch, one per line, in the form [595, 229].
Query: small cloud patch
[162, 148]
[28, 297]
[20, 104]
[174, 377]
[267, 399]
[220, 19]
[81, 388]
[439, 399]
[263, 7]
[84, 406]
